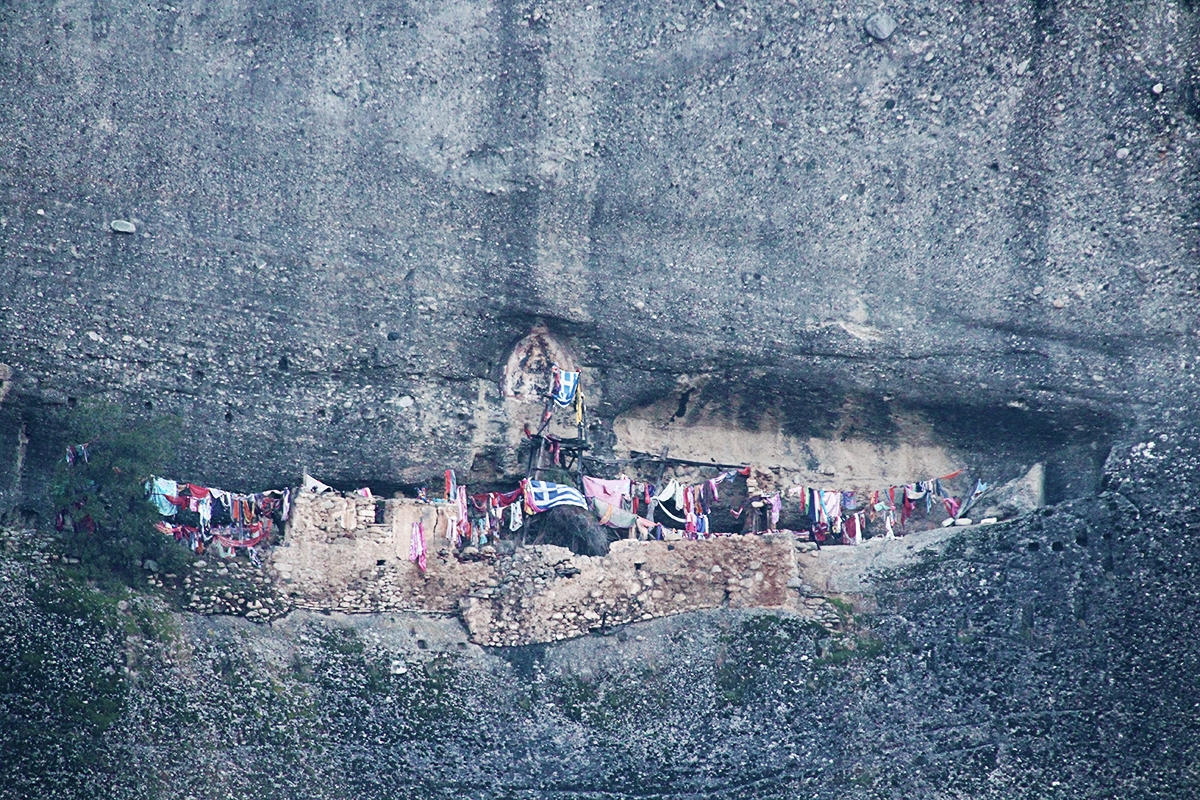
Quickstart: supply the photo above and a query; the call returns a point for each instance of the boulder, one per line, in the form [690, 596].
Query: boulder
[1015, 497]
[880, 25]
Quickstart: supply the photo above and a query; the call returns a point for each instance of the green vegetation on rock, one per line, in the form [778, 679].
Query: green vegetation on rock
[106, 522]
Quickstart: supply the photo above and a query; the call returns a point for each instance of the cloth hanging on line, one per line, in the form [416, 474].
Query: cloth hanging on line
[541, 495]
[462, 526]
[566, 384]
[314, 486]
[76, 452]
[205, 511]
[614, 492]
[416, 545]
[612, 515]
[498, 499]
[160, 490]
[852, 532]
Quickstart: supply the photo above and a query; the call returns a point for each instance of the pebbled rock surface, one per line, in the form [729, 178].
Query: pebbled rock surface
[346, 214]
[1051, 656]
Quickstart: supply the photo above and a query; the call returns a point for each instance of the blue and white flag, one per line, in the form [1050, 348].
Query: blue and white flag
[541, 495]
[565, 386]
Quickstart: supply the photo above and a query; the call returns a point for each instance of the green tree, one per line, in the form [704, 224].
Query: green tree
[106, 520]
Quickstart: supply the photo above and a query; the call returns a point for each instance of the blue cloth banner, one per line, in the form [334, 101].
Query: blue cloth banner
[565, 386]
[542, 495]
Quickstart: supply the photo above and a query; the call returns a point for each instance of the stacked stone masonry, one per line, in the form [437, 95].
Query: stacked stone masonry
[336, 557]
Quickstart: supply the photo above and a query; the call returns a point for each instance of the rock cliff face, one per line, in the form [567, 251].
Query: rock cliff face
[762, 232]
[982, 227]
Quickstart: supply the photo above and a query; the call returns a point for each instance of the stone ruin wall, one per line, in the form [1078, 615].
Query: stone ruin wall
[335, 557]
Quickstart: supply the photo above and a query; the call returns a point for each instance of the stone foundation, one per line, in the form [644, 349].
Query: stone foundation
[543, 594]
[336, 557]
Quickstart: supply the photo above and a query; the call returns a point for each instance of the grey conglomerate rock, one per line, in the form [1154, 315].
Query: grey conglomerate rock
[346, 215]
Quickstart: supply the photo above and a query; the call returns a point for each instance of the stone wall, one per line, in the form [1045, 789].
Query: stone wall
[335, 557]
[547, 593]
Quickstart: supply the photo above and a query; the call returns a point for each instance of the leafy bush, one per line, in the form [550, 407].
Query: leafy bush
[104, 517]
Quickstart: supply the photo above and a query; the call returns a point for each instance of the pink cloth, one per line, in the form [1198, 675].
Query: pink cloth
[416, 545]
[611, 492]
[463, 527]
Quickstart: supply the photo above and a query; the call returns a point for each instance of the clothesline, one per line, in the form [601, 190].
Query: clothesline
[242, 520]
[615, 503]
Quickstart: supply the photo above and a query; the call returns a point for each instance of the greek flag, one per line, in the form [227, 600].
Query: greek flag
[565, 386]
[541, 495]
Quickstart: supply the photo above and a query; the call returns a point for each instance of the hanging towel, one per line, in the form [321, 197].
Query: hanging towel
[514, 517]
[416, 545]
[614, 492]
[159, 490]
[668, 492]
[464, 524]
[205, 514]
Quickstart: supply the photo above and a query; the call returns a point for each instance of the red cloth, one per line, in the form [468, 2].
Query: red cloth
[499, 499]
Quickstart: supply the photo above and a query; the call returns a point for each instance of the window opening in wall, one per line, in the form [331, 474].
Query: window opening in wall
[380, 562]
[380, 510]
